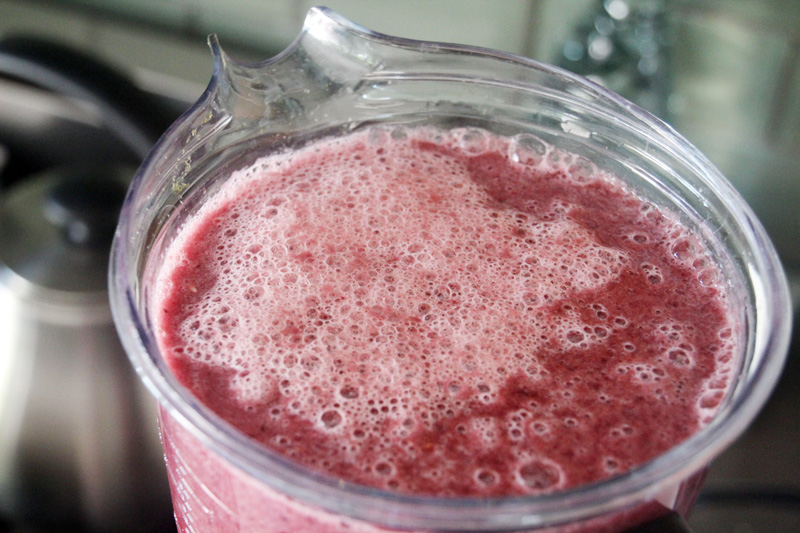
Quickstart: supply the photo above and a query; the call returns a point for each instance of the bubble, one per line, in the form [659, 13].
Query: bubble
[539, 476]
[653, 273]
[574, 336]
[474, 141]
[678, 357]
[384, 469]
[349, 392]
[398, 134]
[600, 311]
[540, 428]
[707, 276]
[582, 170]
[611, 465]
[711, 400]
[621, 431]
[683, 250]
[331, 419]
[527, 150]
[253, 293]
[486, 477]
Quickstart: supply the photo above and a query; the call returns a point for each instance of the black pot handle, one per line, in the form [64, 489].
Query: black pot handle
[671, 522]
[137, 118]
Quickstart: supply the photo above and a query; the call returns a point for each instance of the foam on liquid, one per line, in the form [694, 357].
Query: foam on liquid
[446, 312]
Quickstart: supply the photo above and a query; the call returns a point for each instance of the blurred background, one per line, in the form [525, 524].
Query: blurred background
[726, 74]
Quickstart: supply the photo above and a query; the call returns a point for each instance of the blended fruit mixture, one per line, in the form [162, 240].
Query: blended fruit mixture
[446, 312]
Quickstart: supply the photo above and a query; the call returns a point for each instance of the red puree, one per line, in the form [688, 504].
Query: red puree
[446, 312]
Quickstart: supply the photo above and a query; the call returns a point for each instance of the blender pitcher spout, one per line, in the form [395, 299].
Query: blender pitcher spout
[324, 63]
[247, 93]
[316, 82]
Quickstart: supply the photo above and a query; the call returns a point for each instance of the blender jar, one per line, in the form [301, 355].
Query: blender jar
[338, 77]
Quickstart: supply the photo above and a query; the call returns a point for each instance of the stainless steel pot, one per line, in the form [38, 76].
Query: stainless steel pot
[74, 443]
[79, 447]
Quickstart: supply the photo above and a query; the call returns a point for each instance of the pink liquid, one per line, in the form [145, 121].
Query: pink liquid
[446, 313]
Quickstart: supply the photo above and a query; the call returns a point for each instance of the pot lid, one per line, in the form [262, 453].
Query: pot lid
[56, 227]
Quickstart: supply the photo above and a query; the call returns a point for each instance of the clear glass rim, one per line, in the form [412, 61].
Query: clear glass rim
[374, 505]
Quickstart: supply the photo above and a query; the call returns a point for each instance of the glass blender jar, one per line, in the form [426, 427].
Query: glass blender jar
[338, 77]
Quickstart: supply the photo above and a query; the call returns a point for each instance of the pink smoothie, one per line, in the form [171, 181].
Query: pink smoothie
[446, 313]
